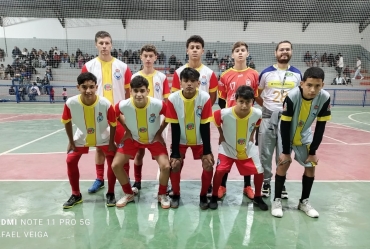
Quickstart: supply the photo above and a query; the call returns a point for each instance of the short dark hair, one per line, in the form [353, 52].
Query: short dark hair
[139, 81]
[189, 74]
[245, 92]
[195, 38]
[285, 41]
[239, 44]
[315, 73]
[86, 77]
[149, 48]
[102, 34]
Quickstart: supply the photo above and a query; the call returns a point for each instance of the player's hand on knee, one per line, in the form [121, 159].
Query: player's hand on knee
[207, 162]
[284, 159]
[175, 164]
[71, 148]
[312, 159]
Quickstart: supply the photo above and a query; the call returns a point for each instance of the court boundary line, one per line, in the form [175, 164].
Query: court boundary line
[353, 128]
[11, 116]
[350, 117]
[66, 180]
[335, 139]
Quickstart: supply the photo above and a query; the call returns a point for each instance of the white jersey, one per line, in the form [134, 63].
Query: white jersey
[143, 123]
[276, 85]
[158, 84]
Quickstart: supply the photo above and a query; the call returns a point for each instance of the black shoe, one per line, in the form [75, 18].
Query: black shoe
[213, 202]
[169, 191]
[209, 191]
[175, 201]
[137, 185]
[111, 199]
[266, 190]
[73, 200]
[203, 202]
[284, 193]
[260, 203]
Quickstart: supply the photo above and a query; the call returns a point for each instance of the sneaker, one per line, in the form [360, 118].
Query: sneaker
[98, 184]
[305, 206]
[111, 199]
[73, 200]
[209, 192]
[203, 202]
[248, 191]
[213, 202]
[170, 192]
[362, 77]
[260, 203]
[165, 202]
[136, 187]
[277, 208]
[266, 190]
[175, 201]
[124, 200]
[284, 193]
[221, 192]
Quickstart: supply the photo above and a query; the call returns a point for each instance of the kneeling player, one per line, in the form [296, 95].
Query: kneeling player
[237, 126]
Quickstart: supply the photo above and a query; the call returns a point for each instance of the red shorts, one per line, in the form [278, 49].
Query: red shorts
[85, 150]
[196, 149]
[130, 147]
[245, 167]
[120, 131]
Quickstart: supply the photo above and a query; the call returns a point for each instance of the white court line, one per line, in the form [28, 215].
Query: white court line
[35, 140]
[353, 128]
[42, 153]
[11, 117]
[155, 181]
[335, 139]
[350, 117]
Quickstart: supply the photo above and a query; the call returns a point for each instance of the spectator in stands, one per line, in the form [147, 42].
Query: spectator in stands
[56, 50]
[80, 61]
[120, 55]
[172, 60]
[64, 94]
[2, 55]
[178, 64]
[49, 73]
[130, 57]
[78, 53]
[52, 93]
[114, 53]
[9, 72]
[16, 63]
[340, 63]
[222, 66]
[135, 57]
[34, 91]
[339, 80]
[56, 60]
[252, 65]
[315, 59]
[358, 69]
[51, 53]
[208, 57]
[347, 72]
[24, 53]
[249, 59]
[308, 59]
[2, 71]
[214, 57]
[16, 52]
[125, 56]
[161, 58]
[72, 61]
[331, 60]
[11, 91]
[324, 59]
[65, 58]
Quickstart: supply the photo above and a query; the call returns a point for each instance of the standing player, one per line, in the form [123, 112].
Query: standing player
[237, 125]
[230, 80]
[143, 130]
[93, 115]
[159, 89]
[113, 82]
[190, 112]
[274, 82]
[302, 106]
[207, 78]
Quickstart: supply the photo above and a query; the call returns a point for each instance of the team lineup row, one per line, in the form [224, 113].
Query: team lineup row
[143, 106]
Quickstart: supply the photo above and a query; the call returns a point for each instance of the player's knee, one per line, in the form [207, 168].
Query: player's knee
[165, 167]
[282, 168]
[309, 171]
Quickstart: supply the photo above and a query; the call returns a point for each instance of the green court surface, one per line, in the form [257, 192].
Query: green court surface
[31, 213]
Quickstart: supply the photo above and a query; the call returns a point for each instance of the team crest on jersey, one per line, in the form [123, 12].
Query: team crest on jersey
[232, 85]
[107, 87]
[199, 111]
[100, 117]
[316, 107]
[241, 141]
[300, 123]
[157, 87]
[152, 118]
[90, 130]
[120, 145]
[248, 82]
[190, 126]
[142, 129]
[117, 74]
[203, 80]
[289, 74]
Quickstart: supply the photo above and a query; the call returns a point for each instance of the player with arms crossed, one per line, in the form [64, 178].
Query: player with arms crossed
[190, 112]
[95, 118]
[113, 78]
[302, 106]
[274, 82]
[159, 89]
[230, 80]
[143, 130]
[237, 125]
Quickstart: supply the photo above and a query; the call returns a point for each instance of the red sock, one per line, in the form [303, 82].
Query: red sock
[258, 181]
[217, 178]
[100, 171]
[127, 189]
[175, 182]
[110, 174]
[73, 172]
[162, 190]
[137, 172]
[206, 181]
[126, 167]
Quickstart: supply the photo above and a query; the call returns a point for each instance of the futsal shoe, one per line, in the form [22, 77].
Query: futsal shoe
[213, 202]
[266, 190]
[111, 199]
[209, 192]
[175, 201]
[284, 193]
[260, 203]
[136, 187]
[203, 202]
[98, 184]
[124, 200]
[73, 200]
[164, 200]
[305, 206]
[221, 192]
[277, 208]
[248, 191]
